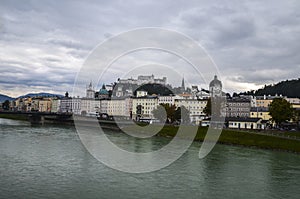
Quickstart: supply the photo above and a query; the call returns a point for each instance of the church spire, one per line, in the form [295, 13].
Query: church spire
[90, 86]
[182, 84]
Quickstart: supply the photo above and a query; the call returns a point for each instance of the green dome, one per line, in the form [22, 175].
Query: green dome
[103, 92]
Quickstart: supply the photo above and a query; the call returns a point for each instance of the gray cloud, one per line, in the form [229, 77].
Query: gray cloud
[45, 42]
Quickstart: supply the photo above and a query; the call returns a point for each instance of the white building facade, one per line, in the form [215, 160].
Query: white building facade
[120, 107]
[142, 107]
[195, 108]
[167, 99]
[89, 106]
[76, 106]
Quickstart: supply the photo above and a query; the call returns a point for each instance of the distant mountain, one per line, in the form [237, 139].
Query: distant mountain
[5, 97]
[40, 95]
[289, 88]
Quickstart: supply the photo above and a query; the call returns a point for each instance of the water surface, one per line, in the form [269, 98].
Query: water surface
[51, 162]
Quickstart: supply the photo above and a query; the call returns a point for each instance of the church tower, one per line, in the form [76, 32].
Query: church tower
[90, 92]
[182, 85]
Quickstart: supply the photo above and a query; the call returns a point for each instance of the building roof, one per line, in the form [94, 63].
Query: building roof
[242, 119]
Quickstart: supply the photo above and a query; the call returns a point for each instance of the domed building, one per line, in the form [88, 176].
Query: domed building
[103, 93]
[215, 87]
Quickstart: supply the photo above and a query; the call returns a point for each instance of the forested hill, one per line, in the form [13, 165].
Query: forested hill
[289, 88]
[5, 97]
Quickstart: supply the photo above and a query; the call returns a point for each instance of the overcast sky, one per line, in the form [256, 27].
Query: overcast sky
[44, 43]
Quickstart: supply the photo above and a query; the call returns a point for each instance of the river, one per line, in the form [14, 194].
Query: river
[51, 162]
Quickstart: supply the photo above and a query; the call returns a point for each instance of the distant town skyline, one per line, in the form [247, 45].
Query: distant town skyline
[253, 43]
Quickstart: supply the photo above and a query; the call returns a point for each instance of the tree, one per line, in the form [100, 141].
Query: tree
[235, 95]
[165, 111]
[280, 110]
[207, 109]
[160, 114]
[170, 112]
[228, 96]
[215, 107]
[177, 114]
[296, 117]
[157, 89]
[182, 114]
[5, 105]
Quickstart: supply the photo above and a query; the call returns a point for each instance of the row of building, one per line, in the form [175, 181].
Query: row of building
[127, 107]
[241, 111]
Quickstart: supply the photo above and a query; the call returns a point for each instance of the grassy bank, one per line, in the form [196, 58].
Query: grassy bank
[261, 141]
[241, 138]
[14, 116]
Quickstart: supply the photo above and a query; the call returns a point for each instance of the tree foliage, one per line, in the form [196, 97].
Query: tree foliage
[207, 109]
[182, 114]
[169, 113]
[215, 107]
[280, 110]
[5, 105]
[160, 113]
[296, 115]
[289, 88]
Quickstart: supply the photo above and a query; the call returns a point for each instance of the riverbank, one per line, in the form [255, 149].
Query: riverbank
[241, 138]
[228, 136]
[14, 116]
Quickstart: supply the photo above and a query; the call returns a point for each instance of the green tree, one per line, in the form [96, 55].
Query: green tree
[177, 114]
[280, 110]
[207, 109]
[182, 114]
[165, 111]
[296, 117]
[5, 105]
[160, 114]
[170, 112]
